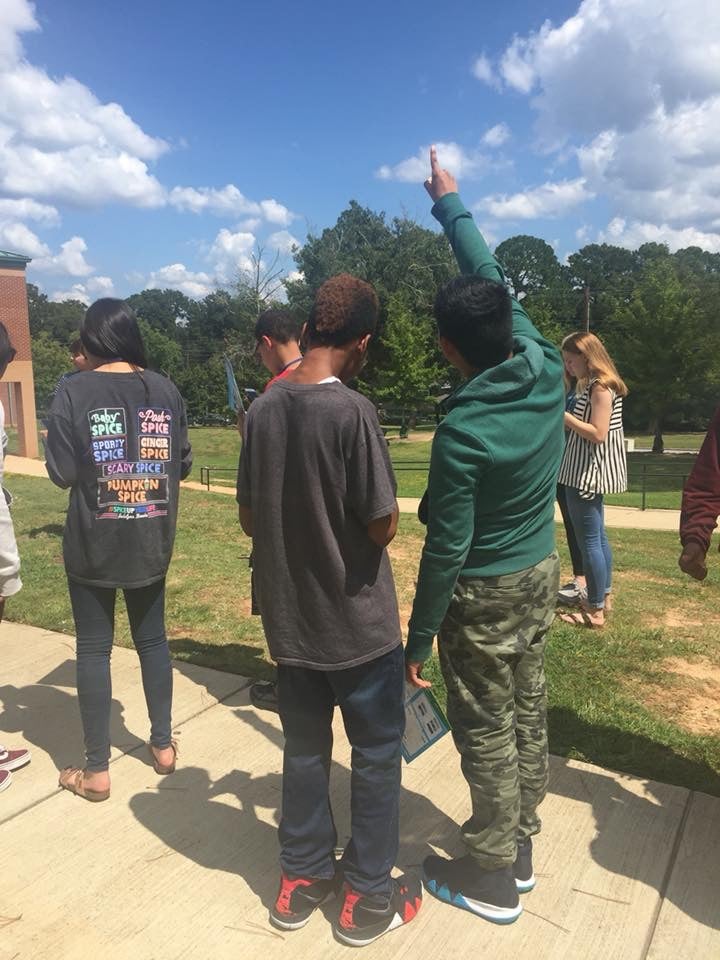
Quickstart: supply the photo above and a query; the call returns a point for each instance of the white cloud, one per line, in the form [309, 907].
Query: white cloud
[482, 70]
[548, 200]
[69, 261]
[26, 209]
[633, 88]
[176, 276]
[249, 225]
[496, 136]
[92, 289]
[19, 238]
[16, 16]
[275, 212]
[295, 275]
[231, 254]
[283, 241]
[464, 164]
[632, 234]
[516, 66]
[58, 140]
[226, 201]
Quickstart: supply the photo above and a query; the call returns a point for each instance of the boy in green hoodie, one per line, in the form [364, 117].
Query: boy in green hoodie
[488, 575]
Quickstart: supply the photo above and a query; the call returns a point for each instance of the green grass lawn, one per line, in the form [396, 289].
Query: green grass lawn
[218, 447]
[641, 696]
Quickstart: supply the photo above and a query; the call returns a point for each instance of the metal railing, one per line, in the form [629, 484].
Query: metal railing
[424, 465]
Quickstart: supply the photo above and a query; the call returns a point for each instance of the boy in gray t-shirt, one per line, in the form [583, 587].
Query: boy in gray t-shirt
[316, 493]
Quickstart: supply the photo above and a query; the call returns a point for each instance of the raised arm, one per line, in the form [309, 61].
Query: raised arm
[471, 251]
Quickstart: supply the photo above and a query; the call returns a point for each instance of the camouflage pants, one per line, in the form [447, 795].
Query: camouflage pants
[492, 647]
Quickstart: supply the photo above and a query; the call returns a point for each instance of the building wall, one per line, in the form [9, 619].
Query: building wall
[19, 377]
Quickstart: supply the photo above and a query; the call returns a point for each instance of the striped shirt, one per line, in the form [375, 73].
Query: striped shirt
[594, 468]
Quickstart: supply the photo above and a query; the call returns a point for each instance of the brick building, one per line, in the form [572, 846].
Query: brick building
[17, 390]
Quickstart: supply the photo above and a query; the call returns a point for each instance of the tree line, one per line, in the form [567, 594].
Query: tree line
[657, 313]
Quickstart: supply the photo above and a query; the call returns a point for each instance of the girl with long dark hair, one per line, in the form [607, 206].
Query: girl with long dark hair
[117, 438]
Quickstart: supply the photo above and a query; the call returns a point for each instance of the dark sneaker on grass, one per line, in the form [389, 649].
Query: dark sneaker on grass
[264, 696]
[5, 779]
[298, 898]
[570, 593]
[364, 919]
[490, 894]
[523, 866]
[13, 759]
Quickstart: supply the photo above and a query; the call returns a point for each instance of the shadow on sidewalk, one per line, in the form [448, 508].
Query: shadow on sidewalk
[49, 718]
[611, 802]
[231, 824]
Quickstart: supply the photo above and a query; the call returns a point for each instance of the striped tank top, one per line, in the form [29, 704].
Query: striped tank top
[594, 468]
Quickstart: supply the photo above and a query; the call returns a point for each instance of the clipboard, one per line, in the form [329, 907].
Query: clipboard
[425, 723]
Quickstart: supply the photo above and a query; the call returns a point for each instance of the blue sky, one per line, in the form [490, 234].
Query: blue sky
[160, 144]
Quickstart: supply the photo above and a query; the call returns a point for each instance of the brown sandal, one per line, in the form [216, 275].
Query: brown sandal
[164, 769]
[73, 779]
[580, 619]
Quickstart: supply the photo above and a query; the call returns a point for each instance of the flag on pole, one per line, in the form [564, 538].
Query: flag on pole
[234, 397]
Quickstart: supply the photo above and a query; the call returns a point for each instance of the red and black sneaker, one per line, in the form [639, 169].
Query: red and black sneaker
[297, 900]
[363, 919]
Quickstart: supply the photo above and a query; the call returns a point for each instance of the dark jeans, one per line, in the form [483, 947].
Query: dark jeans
[370, 698]
[588, 518]
[572, 541]
[94, 613]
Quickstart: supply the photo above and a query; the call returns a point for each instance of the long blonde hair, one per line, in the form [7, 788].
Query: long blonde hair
[600, 365]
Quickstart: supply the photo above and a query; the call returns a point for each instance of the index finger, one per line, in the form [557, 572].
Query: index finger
[434, 165]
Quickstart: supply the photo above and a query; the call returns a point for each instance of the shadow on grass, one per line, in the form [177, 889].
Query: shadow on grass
[627, 752]
[245, 659]
[49, 530]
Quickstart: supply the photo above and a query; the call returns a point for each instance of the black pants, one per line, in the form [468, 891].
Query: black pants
[370, 698]
[94, 613]
[576, 557]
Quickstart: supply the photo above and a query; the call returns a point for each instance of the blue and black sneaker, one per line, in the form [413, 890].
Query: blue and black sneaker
[523, 866]
[491, 894]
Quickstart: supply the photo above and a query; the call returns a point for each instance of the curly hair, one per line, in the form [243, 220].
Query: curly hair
[475, 315]
[345, 309]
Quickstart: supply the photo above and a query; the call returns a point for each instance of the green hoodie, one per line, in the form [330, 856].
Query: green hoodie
[495, 457]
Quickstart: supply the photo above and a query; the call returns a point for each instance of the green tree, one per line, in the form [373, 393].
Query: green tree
[409, 371]
[50, 361]
[163, 310]
[59, 321]
[164, 354]
[530, 264]
[666, 341]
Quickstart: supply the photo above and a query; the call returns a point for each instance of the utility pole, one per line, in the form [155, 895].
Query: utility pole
[586, 302]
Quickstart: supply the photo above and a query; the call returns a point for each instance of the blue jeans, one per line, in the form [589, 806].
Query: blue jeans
[370, 697]
[588, 520]
[94, 613]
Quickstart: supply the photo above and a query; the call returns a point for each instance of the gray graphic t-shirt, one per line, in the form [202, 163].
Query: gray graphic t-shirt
[119, 442]
[314, 470]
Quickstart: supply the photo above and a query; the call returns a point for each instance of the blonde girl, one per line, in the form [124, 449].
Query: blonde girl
[594, 464]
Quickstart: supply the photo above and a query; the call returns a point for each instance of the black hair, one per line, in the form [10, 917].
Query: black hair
[76, 347]
[344, 309]
[475, 315]
[279, 325]
[109, 331]
[7, 350]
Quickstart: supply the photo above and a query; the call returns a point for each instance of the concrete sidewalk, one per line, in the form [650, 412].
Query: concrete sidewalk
[172, 868]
